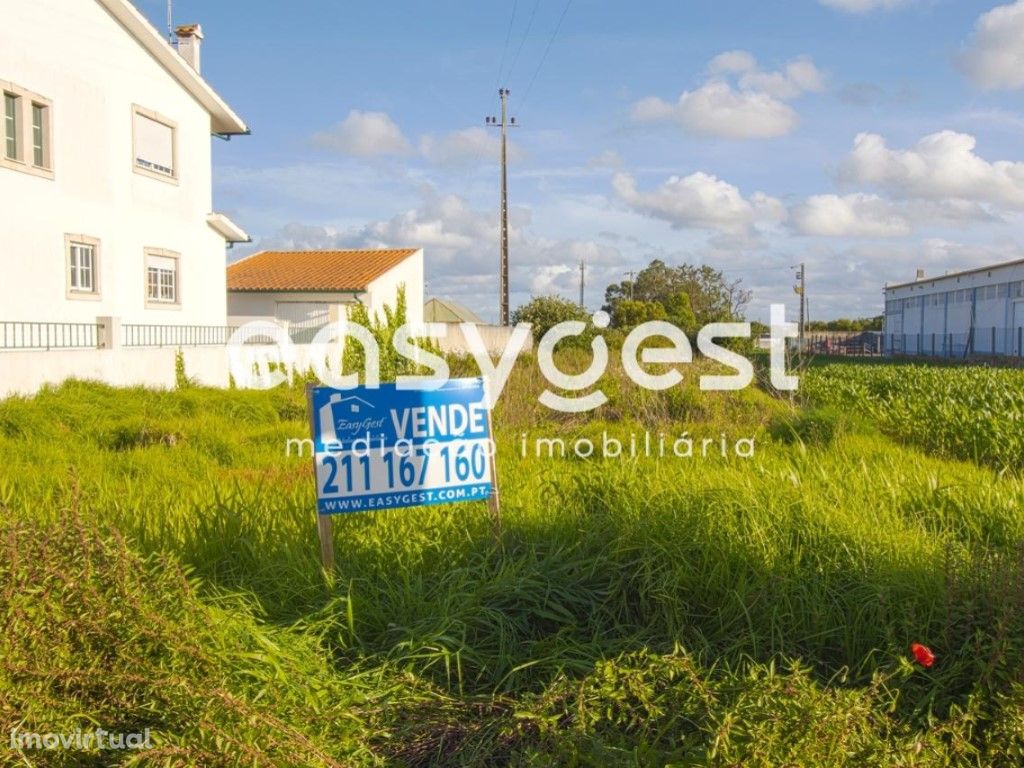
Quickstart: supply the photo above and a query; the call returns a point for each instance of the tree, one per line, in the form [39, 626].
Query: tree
[629, 313]
[544, 312]
[680, 312]
[845, 324]
[712, 297]
[383, 331]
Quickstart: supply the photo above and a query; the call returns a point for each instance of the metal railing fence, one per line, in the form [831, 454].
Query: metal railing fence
[16, 334]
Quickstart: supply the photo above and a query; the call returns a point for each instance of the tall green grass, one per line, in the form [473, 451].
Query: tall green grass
[710, 610]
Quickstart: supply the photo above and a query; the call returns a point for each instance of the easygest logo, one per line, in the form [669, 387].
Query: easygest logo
[265, 365]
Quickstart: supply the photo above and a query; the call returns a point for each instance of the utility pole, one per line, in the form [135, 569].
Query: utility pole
[170, 21]
[801, 290]
[632, 282]
[505, 123]
[583, 282]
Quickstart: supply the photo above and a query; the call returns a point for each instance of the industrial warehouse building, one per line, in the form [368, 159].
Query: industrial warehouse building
[974, 312]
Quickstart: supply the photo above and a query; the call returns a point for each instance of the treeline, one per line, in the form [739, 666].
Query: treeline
[847, 324]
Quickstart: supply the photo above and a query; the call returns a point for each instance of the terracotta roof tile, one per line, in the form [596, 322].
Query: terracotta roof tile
[312, 270]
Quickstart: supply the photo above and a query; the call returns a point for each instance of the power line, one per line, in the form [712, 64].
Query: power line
[508, 36]
[526, 34]
[544, 56]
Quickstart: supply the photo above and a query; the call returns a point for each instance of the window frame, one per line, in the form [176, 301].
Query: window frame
[26, 103]
[156, 117]
[152, 303]
[78, 293]
[12, 116]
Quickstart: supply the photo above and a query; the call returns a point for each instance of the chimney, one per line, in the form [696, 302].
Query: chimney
[920, 274]
[190, 40]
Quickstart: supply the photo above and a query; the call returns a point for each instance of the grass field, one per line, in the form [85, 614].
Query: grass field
[160, 570]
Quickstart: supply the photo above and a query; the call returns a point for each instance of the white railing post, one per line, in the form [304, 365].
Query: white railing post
[109, 332]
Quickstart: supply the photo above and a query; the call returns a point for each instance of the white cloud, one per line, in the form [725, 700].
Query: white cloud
[864, 6]
[755, 107]
[941, 166]
[994, 54]
[364, 134]
[465, 147]
[856, 215]
[699, 201]
[868, 215]
[799, 76]
[732, 61]
[607, 159]
[460, 245]
[717, 109]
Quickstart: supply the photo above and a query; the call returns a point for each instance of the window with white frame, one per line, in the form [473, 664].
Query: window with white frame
[162, 278]
[26, 131]
[154, 151]
[12, 139]
[40, 135]
[83, 265]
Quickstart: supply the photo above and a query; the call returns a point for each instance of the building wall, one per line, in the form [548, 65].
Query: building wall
[494, 337]
[262, 305]
[980, 312]
[75, 54]
[244, 306]
[384, 290]
[24, 372]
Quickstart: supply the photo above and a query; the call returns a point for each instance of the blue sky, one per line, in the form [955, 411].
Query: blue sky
[718, 132]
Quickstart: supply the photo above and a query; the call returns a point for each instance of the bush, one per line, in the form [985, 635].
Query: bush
[818, 427]
[545, 312]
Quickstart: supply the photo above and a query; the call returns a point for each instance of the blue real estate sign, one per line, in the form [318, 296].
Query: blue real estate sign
[384, 447]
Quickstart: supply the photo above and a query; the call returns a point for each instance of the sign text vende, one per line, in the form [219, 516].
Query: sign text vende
[386, 447]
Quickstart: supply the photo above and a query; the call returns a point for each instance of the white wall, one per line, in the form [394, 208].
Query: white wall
[75, 54]
[494, 337]
[262, 305]
[249, 305]
[24, 372]
[384, 290]
[943, 306]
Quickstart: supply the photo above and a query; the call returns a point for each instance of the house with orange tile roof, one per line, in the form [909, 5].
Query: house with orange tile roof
[306, 290]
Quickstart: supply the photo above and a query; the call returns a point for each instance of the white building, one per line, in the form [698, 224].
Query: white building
[306, 290]
[974, 312]
[105, 176]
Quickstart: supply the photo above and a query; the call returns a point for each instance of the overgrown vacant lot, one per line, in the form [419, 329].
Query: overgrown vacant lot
[160, 570]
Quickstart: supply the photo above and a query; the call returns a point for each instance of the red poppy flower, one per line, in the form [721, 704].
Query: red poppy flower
[923, 654]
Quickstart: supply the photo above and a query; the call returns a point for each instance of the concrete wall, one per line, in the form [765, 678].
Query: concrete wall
[23, 373]
[246, 306]
[384, 290]
[74, 53]
[495, 337]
